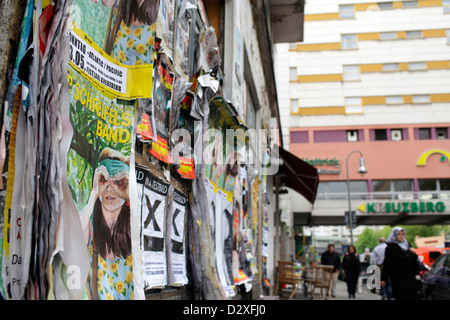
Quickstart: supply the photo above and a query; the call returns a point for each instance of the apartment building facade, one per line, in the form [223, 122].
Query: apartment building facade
[372, 77]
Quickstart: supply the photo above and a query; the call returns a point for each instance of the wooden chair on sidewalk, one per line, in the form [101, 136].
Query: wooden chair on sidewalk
[308, 277]
[290, 275]
[322, 280]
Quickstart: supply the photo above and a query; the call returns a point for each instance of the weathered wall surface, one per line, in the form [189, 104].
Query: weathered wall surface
[11, 17]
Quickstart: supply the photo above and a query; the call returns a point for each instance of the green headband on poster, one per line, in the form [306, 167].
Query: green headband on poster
[115, 166]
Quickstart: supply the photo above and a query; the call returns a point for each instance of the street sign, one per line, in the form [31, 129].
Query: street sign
[347, 219]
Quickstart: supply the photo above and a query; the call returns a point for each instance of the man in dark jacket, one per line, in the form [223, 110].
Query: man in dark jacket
[331, 258]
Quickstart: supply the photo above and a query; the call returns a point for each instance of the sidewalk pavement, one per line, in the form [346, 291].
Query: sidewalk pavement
[362, 293]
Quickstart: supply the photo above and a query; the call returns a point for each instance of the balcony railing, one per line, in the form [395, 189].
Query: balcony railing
[410, 195]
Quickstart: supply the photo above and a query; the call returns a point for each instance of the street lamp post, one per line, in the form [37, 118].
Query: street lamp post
[362, 170]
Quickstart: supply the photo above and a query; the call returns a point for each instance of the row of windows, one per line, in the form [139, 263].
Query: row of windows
[353, 72]
[350, 41]
[397, 134]
[347, 11]
[401, 134]
[386, 189]
[354, 105]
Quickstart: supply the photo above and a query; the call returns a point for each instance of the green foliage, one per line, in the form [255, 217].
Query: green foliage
[423, 231]
[79, 178]
[93, 19]
[370, 238]
[367, 239]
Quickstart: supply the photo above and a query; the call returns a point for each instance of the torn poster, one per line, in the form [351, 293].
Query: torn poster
[98, 176]
[154, 218]
[110, 76]
[164, 26]
[224, 240]
[183, 28]
[162, 102]
[177, 261]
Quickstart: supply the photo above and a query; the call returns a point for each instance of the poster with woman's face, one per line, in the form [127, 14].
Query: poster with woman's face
[98, 170]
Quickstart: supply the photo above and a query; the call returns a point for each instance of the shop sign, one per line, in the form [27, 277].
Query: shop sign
[403, 207]
[322, 162]
[326, 171]
[445, 155]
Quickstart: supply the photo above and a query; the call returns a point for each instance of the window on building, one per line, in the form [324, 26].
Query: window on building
[337, 190]
[353, 105]
[421, 99]
[434, 189]
[381, 185]
[388, 35]
[381, 189]
[396, 135]
[330, 136]
[427, 189]
[385, 5]
[352, 73]
[292, 45]
[394, 100]
[299, 137]
[392, 189]
[346, 11]
[417, 66]
[424, 133]
[413, 34]
[446, 5]
[337, 187]
[359, 187]
[443, 186]
[391, 67]
[349, 41]
[402, 185]
[403, 189]
[293, 74]
[352, 135]
[294, 105]
[441, 133]
[410, 4]
[332, 190]
[380, 134]
[321, 193]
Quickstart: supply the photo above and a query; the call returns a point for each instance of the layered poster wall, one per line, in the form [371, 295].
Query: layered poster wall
[110, 66]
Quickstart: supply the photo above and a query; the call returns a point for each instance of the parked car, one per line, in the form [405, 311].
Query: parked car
[429, 255]
[436, 282]
[423, 268]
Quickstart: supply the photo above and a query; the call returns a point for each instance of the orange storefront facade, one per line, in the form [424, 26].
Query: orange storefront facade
[408, 171]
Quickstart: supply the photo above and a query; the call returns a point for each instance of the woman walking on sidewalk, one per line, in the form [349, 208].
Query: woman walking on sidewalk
[400, 263]
[351, 266]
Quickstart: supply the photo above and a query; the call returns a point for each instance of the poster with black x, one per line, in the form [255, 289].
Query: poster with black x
[177, 257]
[153, 220]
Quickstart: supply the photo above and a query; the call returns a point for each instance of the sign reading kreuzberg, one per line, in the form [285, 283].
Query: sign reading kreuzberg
[415, 207]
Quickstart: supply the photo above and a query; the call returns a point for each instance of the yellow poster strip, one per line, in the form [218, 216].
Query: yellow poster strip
[114, 79]
[11, 173]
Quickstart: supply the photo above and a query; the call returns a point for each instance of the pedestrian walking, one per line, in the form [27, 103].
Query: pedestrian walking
[331, 258]
[377, 259]
[400, 264]
[351, 267]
